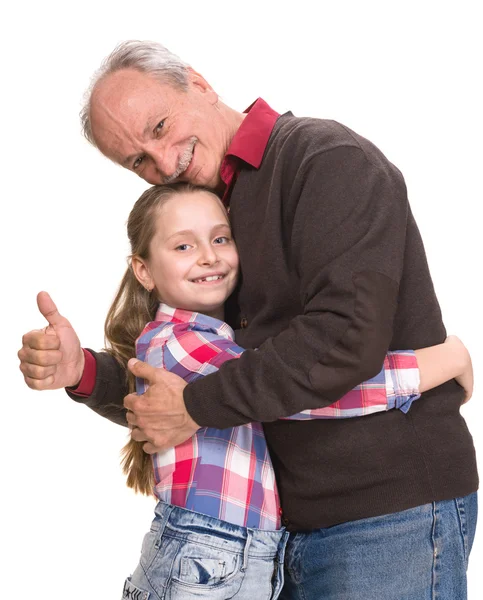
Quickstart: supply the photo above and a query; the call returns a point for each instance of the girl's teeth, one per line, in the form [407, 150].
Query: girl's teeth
[212, 278]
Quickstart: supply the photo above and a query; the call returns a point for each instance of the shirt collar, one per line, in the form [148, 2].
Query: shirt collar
[168, 314]
[251, 139]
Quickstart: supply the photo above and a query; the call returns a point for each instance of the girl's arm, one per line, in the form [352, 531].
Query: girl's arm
[193, 351]
[405, 375]
[450, 360]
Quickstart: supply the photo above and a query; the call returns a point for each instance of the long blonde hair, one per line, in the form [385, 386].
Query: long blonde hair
[131, 309]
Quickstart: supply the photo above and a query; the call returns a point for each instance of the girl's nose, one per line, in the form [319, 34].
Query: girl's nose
[208, 256]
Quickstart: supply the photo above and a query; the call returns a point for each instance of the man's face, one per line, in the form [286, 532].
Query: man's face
[158, 131]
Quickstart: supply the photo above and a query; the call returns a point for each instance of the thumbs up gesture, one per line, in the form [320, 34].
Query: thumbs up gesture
[51, 358]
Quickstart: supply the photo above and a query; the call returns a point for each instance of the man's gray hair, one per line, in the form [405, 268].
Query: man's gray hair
[144, 56]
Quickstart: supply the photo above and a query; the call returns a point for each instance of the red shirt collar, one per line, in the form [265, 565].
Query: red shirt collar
[250, 140]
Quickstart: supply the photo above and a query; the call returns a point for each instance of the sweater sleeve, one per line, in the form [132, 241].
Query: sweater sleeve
[107, 397]
[192, 351]
[347, 243]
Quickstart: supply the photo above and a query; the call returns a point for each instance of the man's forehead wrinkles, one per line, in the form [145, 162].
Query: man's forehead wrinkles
[159, 111]
[149, 127]
[121, 134]
[118, 121]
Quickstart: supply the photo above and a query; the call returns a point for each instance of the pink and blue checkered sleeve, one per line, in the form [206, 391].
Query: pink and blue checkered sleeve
[395, 386]
[192, 351]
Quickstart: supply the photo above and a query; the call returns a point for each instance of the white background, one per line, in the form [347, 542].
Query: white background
[407, 78]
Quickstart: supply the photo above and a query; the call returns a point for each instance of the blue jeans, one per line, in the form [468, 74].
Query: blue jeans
[417, 554]
[188, 555]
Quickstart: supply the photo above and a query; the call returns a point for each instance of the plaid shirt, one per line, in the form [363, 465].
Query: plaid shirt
[228, 474]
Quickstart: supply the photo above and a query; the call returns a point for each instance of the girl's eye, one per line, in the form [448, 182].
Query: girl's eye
[158, 127]
[137, 162]
[221, 240]
[182, 247]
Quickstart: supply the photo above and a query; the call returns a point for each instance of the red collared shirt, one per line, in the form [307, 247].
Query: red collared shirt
[248, 144]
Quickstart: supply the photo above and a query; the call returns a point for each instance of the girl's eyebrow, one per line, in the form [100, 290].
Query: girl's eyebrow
[221, 225]
[183, 232]
[191, 232]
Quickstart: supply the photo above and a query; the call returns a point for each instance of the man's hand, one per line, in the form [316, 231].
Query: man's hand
[158, 417]
[51, 358]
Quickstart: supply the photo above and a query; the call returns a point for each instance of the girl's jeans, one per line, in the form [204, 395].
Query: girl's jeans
[188, 555]
[417, 554]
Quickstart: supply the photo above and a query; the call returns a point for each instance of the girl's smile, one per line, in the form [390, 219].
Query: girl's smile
[193, 261]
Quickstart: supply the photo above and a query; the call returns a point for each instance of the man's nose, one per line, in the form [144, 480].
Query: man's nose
[165, 158]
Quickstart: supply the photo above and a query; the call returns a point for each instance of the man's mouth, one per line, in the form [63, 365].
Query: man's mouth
[185, 165]
[184, 161]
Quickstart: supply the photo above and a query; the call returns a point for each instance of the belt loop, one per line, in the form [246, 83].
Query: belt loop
[247, 548]
[166, 512]
[282, 546]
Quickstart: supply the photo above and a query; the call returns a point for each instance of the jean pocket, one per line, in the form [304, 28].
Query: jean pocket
[132, 592]
[206, 572]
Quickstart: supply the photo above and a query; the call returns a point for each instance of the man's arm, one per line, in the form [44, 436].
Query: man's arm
[110, 386]
[194, 351]
[348, 241]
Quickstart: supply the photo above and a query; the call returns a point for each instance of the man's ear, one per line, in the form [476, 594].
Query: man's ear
[141, 272]
[199, 83]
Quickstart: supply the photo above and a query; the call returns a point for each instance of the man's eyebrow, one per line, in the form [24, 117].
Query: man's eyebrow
[147, 130]
[149, 126]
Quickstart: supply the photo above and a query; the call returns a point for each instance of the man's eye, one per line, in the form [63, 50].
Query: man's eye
[158, 127]
[137, 162]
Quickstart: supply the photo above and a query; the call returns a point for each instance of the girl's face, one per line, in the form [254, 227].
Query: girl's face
[193, 261]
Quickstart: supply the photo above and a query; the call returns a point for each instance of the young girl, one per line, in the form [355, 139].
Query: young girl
[216, 533]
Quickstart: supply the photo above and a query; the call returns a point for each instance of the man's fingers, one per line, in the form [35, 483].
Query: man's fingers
[37, 340]
[131, 418]
[138, 435]
[39, 384]
[150, 449]
[44, 358]
[36, 371]
[129, 401]
[143, 370]
[49, 310]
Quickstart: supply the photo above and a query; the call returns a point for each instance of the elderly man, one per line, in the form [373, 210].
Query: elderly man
[334, 275]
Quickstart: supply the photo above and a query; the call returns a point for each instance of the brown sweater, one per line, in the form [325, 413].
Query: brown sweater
[333, 275]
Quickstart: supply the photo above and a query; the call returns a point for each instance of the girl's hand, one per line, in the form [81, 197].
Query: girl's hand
[465, 378]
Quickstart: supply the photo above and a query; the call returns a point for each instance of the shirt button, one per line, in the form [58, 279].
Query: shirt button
[244, 323]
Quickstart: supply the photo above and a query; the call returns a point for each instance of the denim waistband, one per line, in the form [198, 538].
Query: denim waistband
[187, 524]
